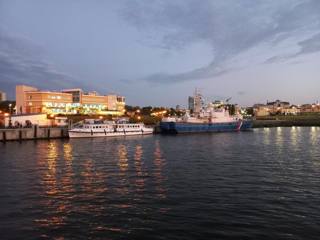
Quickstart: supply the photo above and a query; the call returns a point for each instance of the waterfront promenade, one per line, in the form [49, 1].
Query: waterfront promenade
[20, 134]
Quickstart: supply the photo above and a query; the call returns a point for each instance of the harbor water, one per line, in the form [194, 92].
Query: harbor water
[260, 184]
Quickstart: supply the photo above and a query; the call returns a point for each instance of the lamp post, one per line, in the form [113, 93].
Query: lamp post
[10, 113]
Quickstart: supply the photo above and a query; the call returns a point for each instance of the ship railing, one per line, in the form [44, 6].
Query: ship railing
[77, 124]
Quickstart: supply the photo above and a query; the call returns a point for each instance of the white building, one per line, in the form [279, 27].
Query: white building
[196, 102]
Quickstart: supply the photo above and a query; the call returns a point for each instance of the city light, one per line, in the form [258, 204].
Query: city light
[158, 113]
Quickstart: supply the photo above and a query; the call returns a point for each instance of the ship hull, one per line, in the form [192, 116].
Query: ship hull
[87, 134]
[246, 125]
[183, 127]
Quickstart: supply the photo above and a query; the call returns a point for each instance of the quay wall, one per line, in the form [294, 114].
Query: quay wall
[286, 123]
[19, 134]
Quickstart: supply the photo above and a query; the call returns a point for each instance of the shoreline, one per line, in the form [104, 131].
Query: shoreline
[298, 122]
[20, 134]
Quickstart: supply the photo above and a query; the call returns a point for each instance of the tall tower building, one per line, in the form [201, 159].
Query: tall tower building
[3, 96]
[191, 103]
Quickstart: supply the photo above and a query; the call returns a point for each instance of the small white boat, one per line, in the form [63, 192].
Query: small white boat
[98, 128]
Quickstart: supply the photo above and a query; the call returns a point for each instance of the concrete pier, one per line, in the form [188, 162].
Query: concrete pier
[19, 134]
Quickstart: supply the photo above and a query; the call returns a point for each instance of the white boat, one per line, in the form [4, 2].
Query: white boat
[98, 128]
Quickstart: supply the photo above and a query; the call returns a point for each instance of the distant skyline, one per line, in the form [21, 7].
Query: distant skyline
[156, 52]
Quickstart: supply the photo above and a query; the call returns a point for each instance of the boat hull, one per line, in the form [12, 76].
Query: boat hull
[88, 134]
[184, 127]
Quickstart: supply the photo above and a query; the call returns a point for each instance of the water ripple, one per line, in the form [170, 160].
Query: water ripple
[262, 184]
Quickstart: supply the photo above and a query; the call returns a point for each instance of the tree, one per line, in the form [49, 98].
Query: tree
[131, 108]
[249, 111]
[146, 110]
[6, 107]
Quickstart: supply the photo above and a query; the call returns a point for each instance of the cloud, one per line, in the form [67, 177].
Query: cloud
[230, 27]
[241, 93]
[310, 45]
[24, 62]
[200, 73]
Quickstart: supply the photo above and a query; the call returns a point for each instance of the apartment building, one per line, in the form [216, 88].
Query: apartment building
[69, 101]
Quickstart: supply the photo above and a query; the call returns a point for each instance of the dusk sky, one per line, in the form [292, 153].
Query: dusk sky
[156, 52]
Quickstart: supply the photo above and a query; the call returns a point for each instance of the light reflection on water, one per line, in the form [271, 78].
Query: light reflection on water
[159, 162]
[279, 139]
[294, 138]
[67, 153]
[123, 188]
[123, 158]
[266, 136]
[138, 162]
[55, 215]
[314, 135]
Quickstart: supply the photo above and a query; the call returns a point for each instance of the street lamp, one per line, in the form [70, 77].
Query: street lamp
[10, 111]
